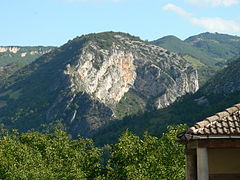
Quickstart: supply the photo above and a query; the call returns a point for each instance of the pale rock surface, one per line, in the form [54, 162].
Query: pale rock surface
[156, 74]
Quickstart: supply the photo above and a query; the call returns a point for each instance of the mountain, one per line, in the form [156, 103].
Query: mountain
[219, 93]
[208, 52]
[94, 79]
[13, 58]
[21, 54]
[220, 46]
[175, 44]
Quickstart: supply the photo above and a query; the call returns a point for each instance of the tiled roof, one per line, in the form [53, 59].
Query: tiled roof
[225, 123]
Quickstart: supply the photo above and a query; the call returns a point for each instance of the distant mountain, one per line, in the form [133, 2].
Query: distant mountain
[220, 46]
[208, 52]
[183, 48]
[94, 79]
[12, 58]
[21, 54]
[220, 92]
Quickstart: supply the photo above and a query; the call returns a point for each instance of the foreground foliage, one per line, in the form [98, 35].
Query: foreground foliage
[57, 156]
[53, 156]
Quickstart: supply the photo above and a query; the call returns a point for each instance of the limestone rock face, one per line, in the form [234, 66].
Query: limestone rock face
[10, 49]
[23, 51]
[155, 74]
[111, 80]
[185, 83]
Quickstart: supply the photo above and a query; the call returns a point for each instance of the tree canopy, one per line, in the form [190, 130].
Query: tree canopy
[35, 155]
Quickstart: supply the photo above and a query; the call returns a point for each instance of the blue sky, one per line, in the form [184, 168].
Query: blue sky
[54, 22]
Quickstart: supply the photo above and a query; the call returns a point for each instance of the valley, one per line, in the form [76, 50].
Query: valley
[98, 85]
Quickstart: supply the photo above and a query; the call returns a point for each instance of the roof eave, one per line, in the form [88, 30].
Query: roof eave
[200, 137]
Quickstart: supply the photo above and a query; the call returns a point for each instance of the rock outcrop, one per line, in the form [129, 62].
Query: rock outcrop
[107, 74]
[23, 51]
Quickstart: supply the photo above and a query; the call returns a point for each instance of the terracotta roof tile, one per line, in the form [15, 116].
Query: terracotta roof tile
[236, 122]
[212, 118]
[232, 130]
[220, 130]
[222, 114]
[206, 131]
[223, 123]
[231, 110]
[219, 125]
[237, 105]
[238, 130]
[230, 123]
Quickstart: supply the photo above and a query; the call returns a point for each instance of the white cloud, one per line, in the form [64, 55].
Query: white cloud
[98, 1]
[209, 24]
[217, 24]
[213, 3]
[176, 9]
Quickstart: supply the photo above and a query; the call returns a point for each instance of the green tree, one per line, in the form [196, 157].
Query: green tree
[48, 156]
[56, 156]
[148, 158]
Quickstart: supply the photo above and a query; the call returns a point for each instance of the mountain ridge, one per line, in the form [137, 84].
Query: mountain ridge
[13, 58]
[94, 79]
[208, 52]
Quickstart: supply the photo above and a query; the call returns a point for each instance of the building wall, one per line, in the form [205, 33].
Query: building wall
[224, 164]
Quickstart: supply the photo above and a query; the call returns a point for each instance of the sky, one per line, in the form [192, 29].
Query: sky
[54, 22]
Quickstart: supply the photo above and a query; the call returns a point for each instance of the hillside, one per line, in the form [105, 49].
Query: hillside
[220, 92]
[226, 81]
[175, 44]
[21, 54]
[220, 46]
[13, 58]
[92, 80]
[208, 52]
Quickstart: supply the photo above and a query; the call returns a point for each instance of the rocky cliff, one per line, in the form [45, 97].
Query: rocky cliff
[108, 73]
[94, 79]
